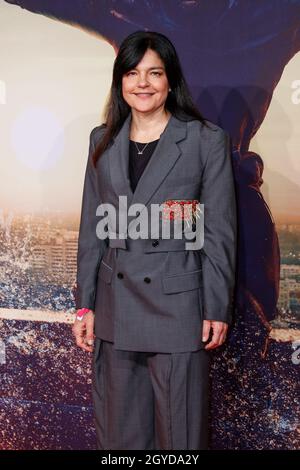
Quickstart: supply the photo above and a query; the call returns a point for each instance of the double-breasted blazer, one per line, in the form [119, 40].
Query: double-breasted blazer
[152, 294]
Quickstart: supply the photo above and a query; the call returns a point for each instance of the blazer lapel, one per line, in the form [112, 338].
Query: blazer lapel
[118, 159]
[161, 162]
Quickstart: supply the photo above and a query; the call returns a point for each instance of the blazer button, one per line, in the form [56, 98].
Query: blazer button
[120, 275]
[155, 243]
[147, 279]
[137, 213]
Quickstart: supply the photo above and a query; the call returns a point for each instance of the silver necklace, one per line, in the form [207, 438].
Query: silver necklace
[140, 152]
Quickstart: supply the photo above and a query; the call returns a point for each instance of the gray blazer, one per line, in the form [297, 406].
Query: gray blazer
[152, 294]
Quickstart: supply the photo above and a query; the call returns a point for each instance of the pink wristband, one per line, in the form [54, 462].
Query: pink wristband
[82, 312]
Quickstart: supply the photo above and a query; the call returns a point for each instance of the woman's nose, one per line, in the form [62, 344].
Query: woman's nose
[142, 80]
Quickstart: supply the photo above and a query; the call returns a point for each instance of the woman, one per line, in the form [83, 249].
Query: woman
[154, 308]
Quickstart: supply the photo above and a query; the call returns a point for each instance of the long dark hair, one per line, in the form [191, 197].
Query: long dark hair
[179, 101]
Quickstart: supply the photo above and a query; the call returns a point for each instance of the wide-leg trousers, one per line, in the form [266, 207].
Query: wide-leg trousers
[147, 400]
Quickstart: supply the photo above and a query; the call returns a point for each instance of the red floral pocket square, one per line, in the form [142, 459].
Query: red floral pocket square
[181, 209]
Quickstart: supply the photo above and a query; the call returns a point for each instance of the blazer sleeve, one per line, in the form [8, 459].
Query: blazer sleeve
[218, 254]
[90, 247]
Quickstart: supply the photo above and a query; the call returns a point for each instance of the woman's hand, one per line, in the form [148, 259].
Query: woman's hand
[219, 332]
[83, 330]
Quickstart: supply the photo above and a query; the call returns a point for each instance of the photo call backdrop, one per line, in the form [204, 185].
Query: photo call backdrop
[242, 63]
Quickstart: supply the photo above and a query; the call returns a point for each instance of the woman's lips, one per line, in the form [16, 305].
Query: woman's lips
[144, 95]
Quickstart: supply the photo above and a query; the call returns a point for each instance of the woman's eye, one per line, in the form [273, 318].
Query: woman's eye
[153, 73]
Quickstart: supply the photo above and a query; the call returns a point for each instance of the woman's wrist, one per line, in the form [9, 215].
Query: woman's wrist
[82, 312]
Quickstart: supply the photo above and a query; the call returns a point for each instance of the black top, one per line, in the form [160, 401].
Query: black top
[137, 163]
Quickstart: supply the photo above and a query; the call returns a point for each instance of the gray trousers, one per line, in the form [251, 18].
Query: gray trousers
[145, 400]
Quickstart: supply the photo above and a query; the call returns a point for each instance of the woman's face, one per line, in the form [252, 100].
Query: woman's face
[146, 87]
